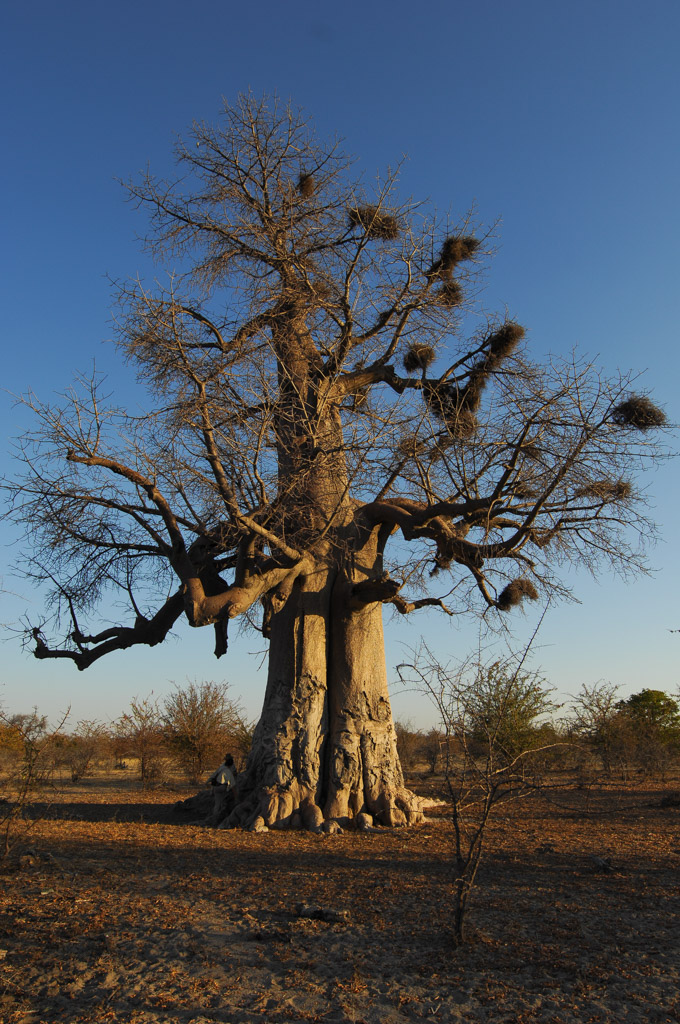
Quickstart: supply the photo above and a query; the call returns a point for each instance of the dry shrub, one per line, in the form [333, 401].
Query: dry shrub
[409, 742]
[418, 357]
[83, 749]
[515, 592]
[200, 722]
[29, 745]
[640, 412]
[139, 733]
[375, 223]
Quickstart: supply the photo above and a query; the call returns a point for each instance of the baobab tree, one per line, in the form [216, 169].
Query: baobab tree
[327, 433]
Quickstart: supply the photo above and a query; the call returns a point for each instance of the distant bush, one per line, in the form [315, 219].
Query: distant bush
[200, 724]
[139, 734]
[28, 742]
[11, 746]
[433, 749]
[82, 750]
[504, 710]
[594, 721]
[642, 731]
[652, 719]
[409, 744]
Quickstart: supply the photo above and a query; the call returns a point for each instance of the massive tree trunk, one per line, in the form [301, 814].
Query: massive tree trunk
[364, 774]
[325, 747]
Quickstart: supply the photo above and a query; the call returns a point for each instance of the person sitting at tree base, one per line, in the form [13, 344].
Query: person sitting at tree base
[223, 781]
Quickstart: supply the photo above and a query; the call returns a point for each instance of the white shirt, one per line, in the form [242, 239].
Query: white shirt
[224, 776]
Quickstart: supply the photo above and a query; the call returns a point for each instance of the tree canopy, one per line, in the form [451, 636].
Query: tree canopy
[316, 334]
[652, 709]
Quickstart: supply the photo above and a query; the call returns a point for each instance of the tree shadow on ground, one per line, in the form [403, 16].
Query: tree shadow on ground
[142, 812]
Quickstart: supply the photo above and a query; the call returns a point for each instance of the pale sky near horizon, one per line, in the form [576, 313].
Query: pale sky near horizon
[558, 120]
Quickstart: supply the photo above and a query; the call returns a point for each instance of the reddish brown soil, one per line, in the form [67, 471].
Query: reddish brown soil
[122, 913]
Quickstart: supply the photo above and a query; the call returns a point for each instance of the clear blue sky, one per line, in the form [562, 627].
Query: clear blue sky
[560, 119]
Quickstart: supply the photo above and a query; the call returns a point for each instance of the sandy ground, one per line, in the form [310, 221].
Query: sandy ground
[122, 913]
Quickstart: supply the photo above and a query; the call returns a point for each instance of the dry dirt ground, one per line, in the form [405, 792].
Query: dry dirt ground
[120, 912]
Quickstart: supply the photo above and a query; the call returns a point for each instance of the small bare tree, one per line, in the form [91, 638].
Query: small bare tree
[200, 723]
[478, 707]
[594, 720]
[81, 750]
[141, 729]
[434, 743]
[28, 742]
[409, 742]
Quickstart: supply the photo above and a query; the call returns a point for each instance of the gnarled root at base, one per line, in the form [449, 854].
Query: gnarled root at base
[389, 806]
[296, 808]
[396, 807]
[276, 807]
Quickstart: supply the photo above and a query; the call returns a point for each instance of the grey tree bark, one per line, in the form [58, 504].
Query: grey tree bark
[325, 747]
